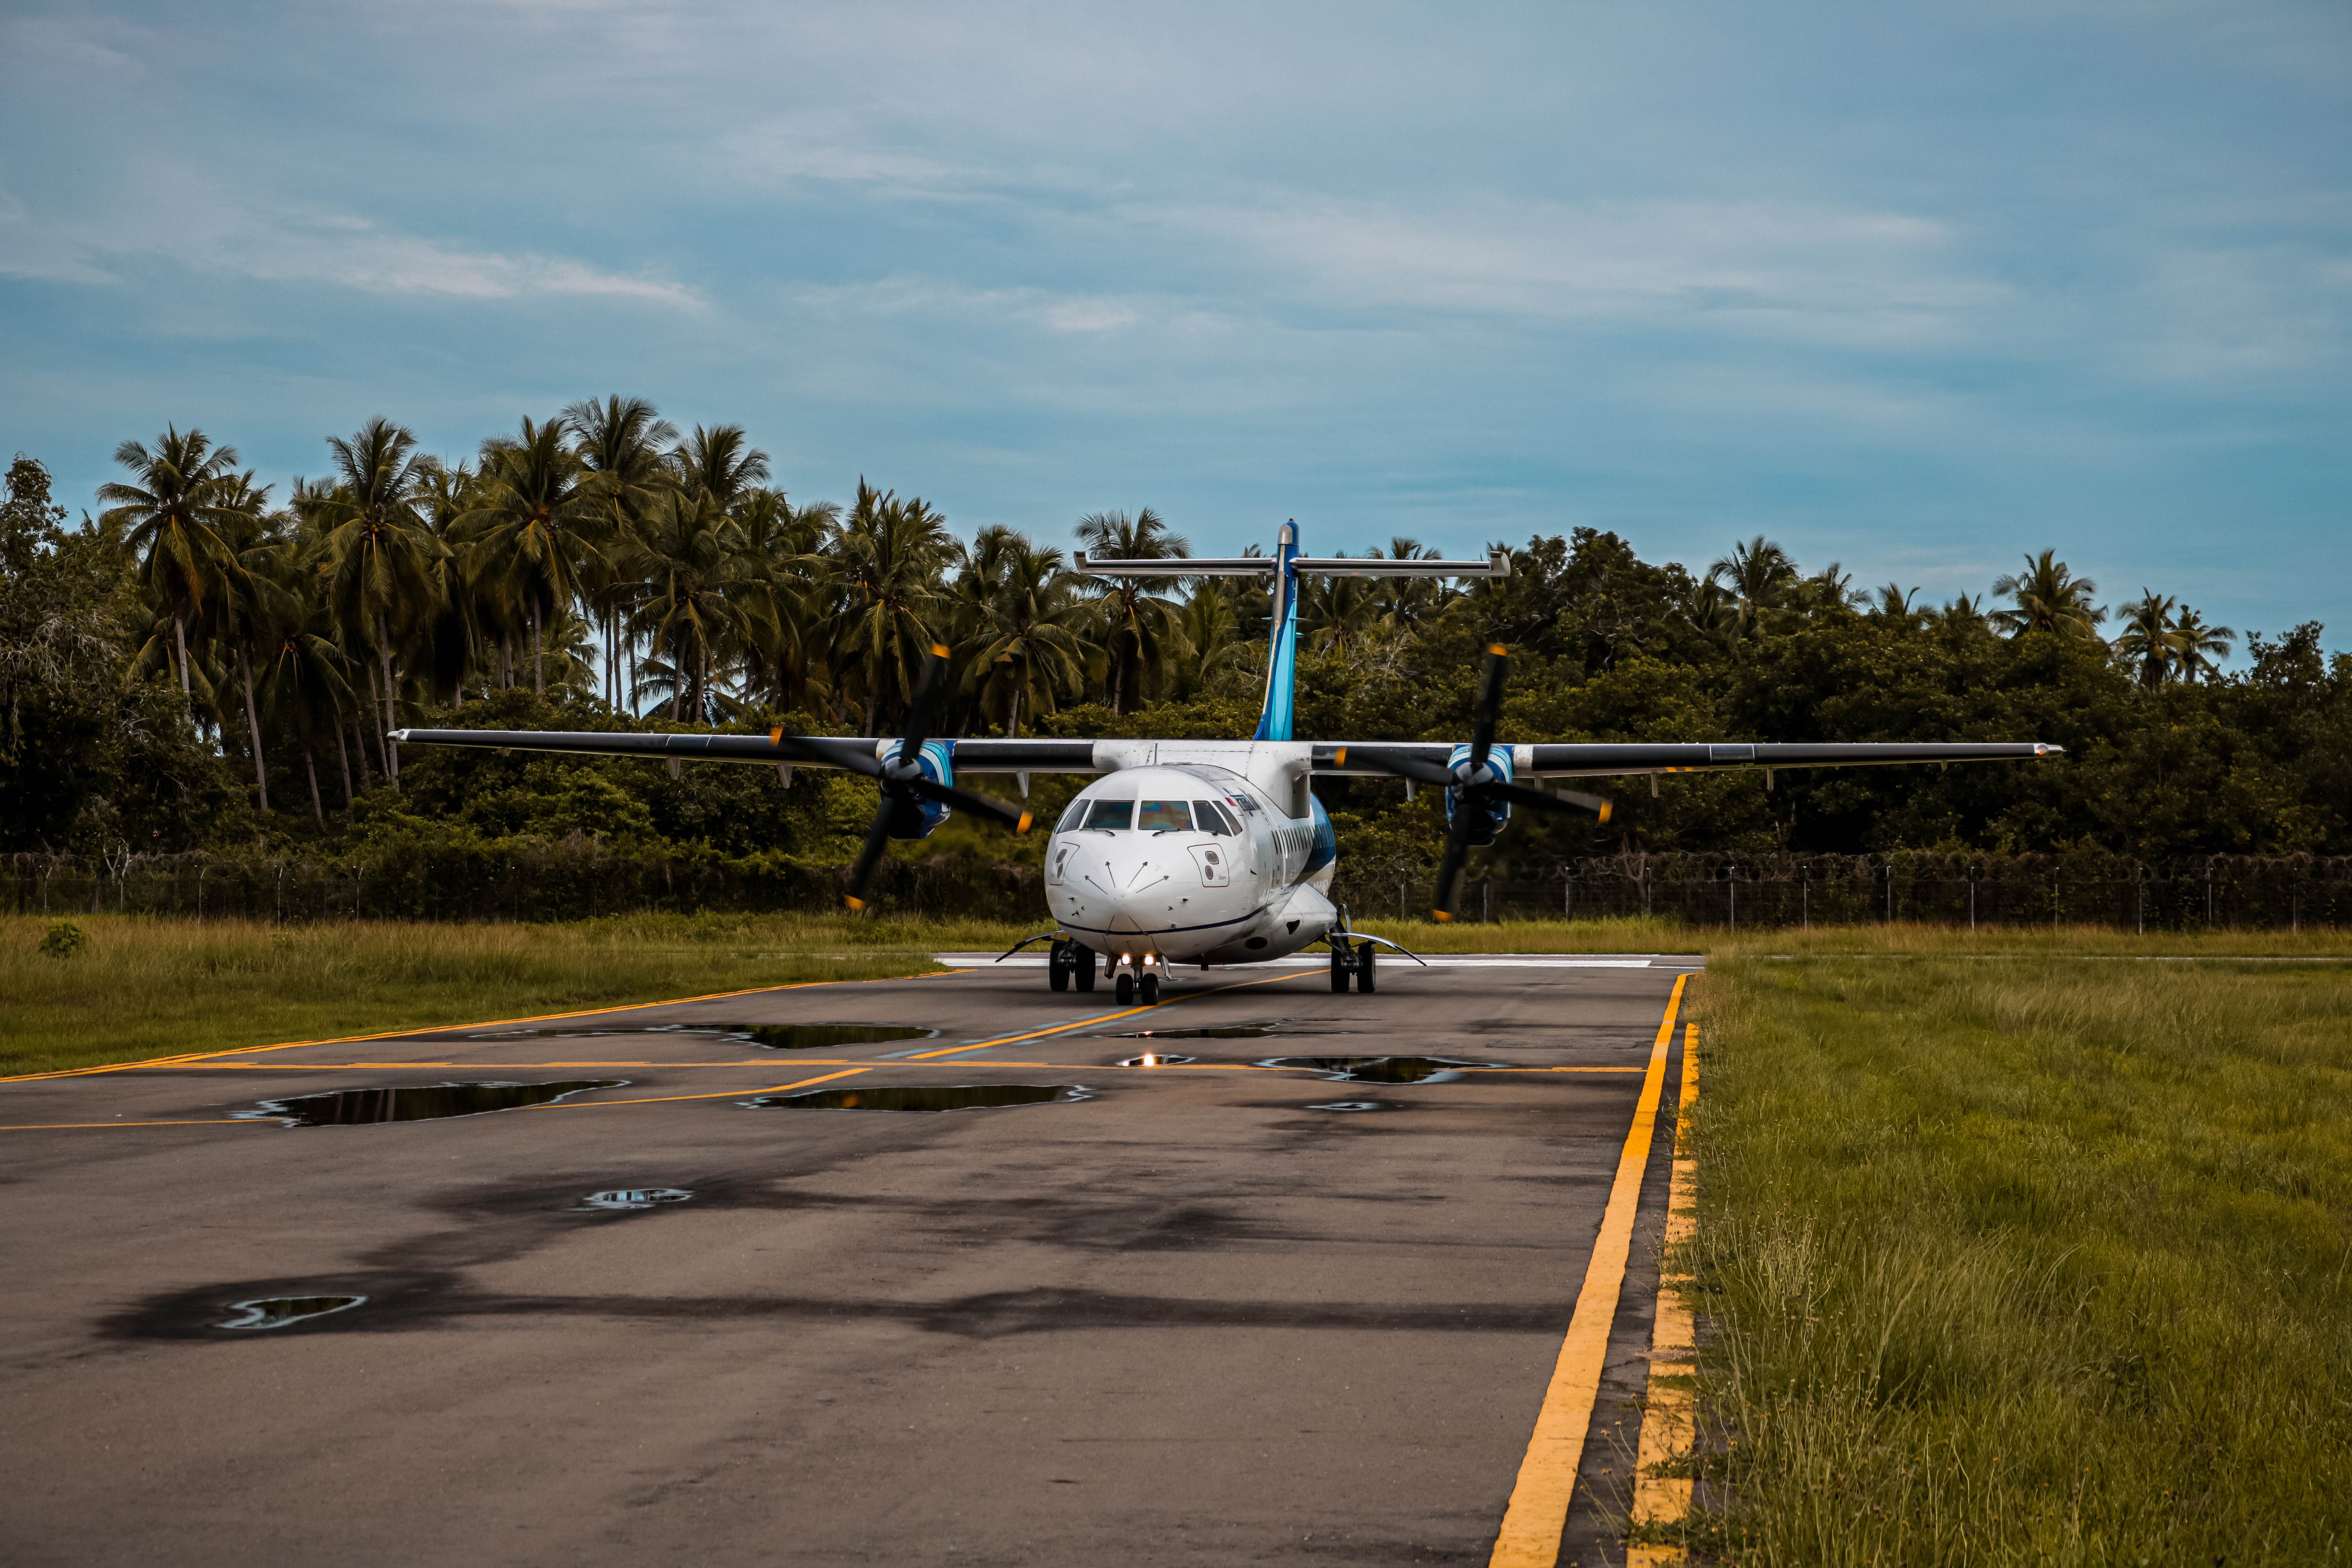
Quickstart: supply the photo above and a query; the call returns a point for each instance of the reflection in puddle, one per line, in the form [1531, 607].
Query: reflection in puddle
[1379, 1069]
[1351, 1105]
[925, 1097]
[276, 1312]
[634, 1197]
[824, 1036]
[1156, 1059]
[1222, 1032]
[422, 1103]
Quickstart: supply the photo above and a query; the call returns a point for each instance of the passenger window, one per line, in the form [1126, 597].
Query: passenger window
[1164, 817]
[1210, 819]
[1110, 815]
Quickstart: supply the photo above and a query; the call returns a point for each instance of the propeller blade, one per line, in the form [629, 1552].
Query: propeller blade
[1449, 870]
[1520, 794]
[1490, 707]
[919, 716]
[876, 839]
[985, 806]
[1403, 767]
[798, 746]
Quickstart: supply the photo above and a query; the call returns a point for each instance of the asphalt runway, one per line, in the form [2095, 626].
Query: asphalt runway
[1190, 1318]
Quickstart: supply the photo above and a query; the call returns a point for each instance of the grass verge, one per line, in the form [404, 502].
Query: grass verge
[140, 988]
[2047, 1261]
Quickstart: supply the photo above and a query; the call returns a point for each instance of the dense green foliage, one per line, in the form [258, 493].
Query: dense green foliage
[200, 669]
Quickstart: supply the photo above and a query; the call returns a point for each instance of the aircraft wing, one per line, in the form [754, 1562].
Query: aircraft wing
[1607, 759]
[978, 757]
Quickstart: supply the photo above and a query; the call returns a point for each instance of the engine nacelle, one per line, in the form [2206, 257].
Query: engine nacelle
[1492, 817]
[921, 819]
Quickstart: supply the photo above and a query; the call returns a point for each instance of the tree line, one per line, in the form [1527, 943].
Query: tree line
[600, 567]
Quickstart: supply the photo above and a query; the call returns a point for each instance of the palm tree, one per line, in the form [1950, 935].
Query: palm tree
[2198, 646]
[689, 554]
[1139, 631]
[1962, 611]
[720, 462]
[1760, 575]
[2147, 636]
[1893, 605]
[539, 528]
[1026, 652]
[1406, 601]
[1212, 634]
[379, 556]
[2049, 598]
[303, 684]
[1831, 588]
[1337, 613]
[878, 578]
[174, 516]
[620, 442]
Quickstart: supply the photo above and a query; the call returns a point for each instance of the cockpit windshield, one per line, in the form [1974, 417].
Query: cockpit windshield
[1111, 815]
[1164, 817]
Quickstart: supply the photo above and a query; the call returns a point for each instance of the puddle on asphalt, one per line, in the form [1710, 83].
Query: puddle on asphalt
[775, 1037]
[1351, 1105]
[925, 1097]
[276, 1312]
[634, 1197]
[824, 1036]
[1224, 1032]
[1156, 1059]
[1377, 1069]
[422, 1103]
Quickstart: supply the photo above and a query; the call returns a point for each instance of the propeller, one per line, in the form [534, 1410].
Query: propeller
[904, 787]
[1474, 784]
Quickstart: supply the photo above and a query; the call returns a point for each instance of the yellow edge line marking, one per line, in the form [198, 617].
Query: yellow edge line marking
[1109, 1017]
[722, 1094]
[765, 1065]
[1668, 1422]
[444, 1028]
[1537, 1511]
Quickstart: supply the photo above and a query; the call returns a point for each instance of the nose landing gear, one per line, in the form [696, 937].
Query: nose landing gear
[1352, 958]
[1067, 961]
[1138, 983]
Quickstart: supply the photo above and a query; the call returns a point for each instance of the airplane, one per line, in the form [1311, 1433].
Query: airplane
[1213, 852]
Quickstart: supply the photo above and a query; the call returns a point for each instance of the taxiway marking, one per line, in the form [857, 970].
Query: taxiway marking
[1537, 1511]
[722, 1094]
[1669, 1426]
[1106, 1017]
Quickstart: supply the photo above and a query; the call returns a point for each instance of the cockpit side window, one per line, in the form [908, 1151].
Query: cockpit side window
[1075, 818]
[1164, 816]
[1212, 819]
[1111, 815]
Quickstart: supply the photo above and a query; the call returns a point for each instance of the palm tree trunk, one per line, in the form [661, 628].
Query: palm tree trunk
[180, 635]
[1013, 714]
[538, 654]
[253, 724]
[317, 806]
[343, 754]
[359, 738]
[702, 687]
[391, 711]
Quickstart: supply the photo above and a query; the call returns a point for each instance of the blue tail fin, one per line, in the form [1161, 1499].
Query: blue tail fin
[1282, 654]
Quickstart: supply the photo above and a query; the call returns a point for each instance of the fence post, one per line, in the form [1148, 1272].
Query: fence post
[1805, 902]
[1732, 883]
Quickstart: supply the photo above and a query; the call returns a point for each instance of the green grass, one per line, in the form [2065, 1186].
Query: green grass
[143, 988]
[2040, 1260]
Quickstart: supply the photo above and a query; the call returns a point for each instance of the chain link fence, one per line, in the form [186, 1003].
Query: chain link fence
[563, 881]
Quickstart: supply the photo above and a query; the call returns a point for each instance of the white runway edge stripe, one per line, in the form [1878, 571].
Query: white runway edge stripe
[1318, 961]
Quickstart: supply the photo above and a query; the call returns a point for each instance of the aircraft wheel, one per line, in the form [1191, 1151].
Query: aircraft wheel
[1126, 989]
[1339, 966]
[1151, 990]
[1058, 968]
[1084, 958]
[1364, 966]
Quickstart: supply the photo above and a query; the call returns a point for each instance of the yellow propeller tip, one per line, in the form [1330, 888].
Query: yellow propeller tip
[854, 903]
[776, 736]
[938, 650]
[1440, 916]
[1025, 820]
[1340, 760]
[1604, 811]
[1497, 650]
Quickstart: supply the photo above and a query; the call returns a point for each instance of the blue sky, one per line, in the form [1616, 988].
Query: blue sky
[1916, 288]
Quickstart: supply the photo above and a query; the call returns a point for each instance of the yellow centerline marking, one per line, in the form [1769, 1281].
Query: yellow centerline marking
[763, 1064]
[1537, 1511]
[722, 1094]
[1668, 1425]
[1109, 1017]
[447, 1028]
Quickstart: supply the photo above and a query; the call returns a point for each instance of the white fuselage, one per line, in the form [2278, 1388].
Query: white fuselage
[1191, 861]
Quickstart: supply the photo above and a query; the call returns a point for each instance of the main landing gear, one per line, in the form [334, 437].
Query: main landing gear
[1065, 960]
[1352, 958]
